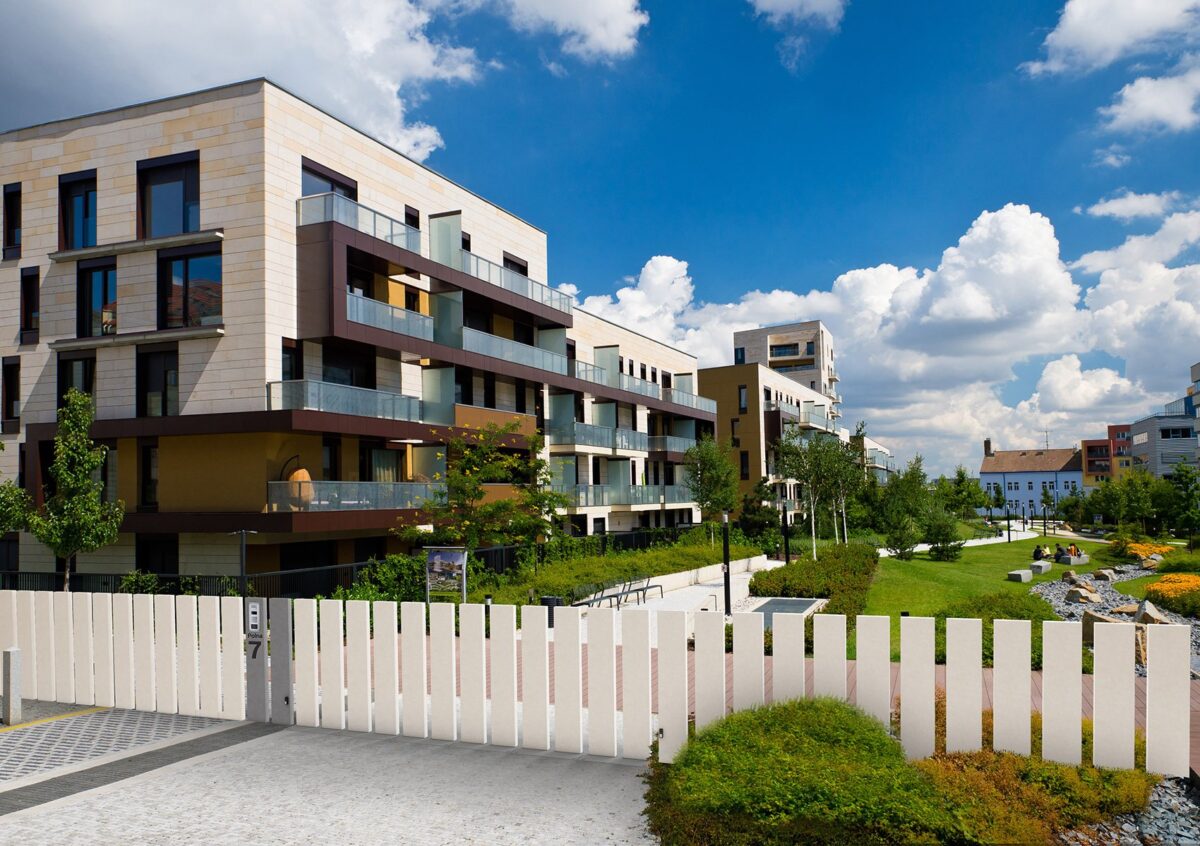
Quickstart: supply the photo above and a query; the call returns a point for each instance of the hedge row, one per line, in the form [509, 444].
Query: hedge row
[842, 575]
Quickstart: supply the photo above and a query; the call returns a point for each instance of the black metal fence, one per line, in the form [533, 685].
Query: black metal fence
[501, 559]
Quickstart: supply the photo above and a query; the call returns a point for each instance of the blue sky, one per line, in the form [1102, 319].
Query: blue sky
[928, 178]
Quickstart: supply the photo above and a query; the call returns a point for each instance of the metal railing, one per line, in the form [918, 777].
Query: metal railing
[677, 494]
[311, 395]
[631, 439]
[334, 208]
[518, 283]
[587, 372]
[514, 351]
[585, 496]
[639, 386]
[390, 318]
[670, 443]
[581, 434]
[349, 496]
[690, 400]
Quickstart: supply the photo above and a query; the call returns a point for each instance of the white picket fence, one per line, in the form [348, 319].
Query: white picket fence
[183, 654]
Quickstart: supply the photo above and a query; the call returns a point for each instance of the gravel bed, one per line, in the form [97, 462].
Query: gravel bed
[1172, 817]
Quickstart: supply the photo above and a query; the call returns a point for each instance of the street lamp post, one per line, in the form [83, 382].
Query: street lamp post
[725, 566]
[242, 557]
[783, 528]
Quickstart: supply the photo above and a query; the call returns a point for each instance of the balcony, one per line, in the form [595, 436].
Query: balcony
[334, 208]
[390, 318]
[478, 417]
[518, 283]
[639, 386]
[518, 353]
[585, 496]
[631, 440]
[602, 437]
[587, 372]
[834, 377]
[311, 395]
[670, 443]
[349, 496]
[690, 400]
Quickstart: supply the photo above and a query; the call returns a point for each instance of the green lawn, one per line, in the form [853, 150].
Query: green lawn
[1136, 587]
[922, 586]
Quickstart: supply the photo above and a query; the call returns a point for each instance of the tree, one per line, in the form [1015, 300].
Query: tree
[463, 513]
[941, 533]
[1187, 504]
[756, 518]
[906, 506]
[846, 479]
[1109, 500]
[711, 476]
[810, 460]
[1136, 486]
[966, 495]
[998, 501]
[14, 506]
[75, 518]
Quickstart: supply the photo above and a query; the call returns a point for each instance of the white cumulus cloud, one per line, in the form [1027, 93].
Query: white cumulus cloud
[590, 29]
[1166, 103]
[827, 12]
[1130, 205]
[1093, 34]
[1178, 232]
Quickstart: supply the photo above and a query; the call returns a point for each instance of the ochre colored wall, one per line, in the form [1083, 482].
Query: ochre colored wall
[228, 472]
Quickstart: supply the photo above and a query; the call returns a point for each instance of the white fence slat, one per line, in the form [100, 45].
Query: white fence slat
[358, 665]
[415, 714]
[1062, 691]
[568, 680]
[81, 631]
[749, 685]
[308, 689]
[829, 655]
[102, 648]
[166, 678]
[710, 667]
[1168, 709]
[1011, 705]
[672, 683]
[44, 640]
[635, 684]
[27, 639]
[144, 687]
[233, 659]
[873, 666]
[964, 685]
[602, 682]
[387, 668]
[333, 665]
[186, 655]
[8, 619]
[916, 686]
[64, 648]
[787, 657]
[535, 678]
[122, 621]
[1112, 740]
[472, 672]
[210, 655]
[443, 717]
[504, 674]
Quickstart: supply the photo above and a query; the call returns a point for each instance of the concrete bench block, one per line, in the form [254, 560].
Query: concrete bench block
[1040, 567]
[1020, 575]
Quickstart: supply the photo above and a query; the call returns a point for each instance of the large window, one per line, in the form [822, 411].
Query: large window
[10, 393]
[157, 383]
[739, 355]
[148, 476]
[317, 179]
[189, 290]
[96, 305]
[169, 195]
[30, 307]
[76, 371]
[743, 399]
[77, 210]
[12, 221]
[784, 350]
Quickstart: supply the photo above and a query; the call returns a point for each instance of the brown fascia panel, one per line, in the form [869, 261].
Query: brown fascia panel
[278, 522]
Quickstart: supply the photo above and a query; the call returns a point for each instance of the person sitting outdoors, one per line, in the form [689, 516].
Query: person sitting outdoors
[1073, 550]
[1045, 553]
[1037, 553]
[1059, 552]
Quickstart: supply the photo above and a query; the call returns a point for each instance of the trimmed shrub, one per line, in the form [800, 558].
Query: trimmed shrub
[842, 575]
[1180, 562]
[1000, 606]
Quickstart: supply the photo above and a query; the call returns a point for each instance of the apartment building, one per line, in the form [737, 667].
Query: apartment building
[755, 405]
[878, 460]
[802, 351]
[256, 294]
[1106, 458]
[1025, 474]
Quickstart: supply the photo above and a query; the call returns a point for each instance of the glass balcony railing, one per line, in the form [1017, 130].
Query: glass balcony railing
[369, 312]
[587, 372]
[334, 208]
[311, 395]
[349, 496]
[497, 347]
[784, 408]
[629, 439]
[677, 494]
[518, 283]
[640, 495]
[585, 496]
[690, 400]
[670, 443]
[639, 386]
[581, 434]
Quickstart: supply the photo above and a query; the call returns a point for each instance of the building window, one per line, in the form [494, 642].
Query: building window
[189, 290]
[734, 438]
[77, 210]
[412, 300]
[809, 348]
[643, 372]
[318, 179]
[157, 383]
[412, 217]
[744, 457]
[10, 393]
[784, 350]
[148, 477]
[743, 399]
[739, 355]
[1030, 485]
[30, 308]
[466, 242]
[654, 375]
[169, 195]
[293, 360]
[331, 459]
[12, 221]
[766, 395]
[78, 372]
[519, 265]
[96, 302]
[158, 554]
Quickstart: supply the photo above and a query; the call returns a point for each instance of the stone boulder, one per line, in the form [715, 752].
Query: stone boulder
[1069, 576]
[1156, 557]
[1130, 609]
[1104, 576]
[1148, 564]
[1082, 594]
[1147, 613]
[1090, 619]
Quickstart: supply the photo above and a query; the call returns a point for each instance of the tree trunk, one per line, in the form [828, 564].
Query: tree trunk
[833, 510]
[68, 566]
[845, 533]
[812, 526]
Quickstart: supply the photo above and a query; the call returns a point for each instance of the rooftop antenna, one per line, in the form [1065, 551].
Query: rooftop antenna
[1047, 431]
